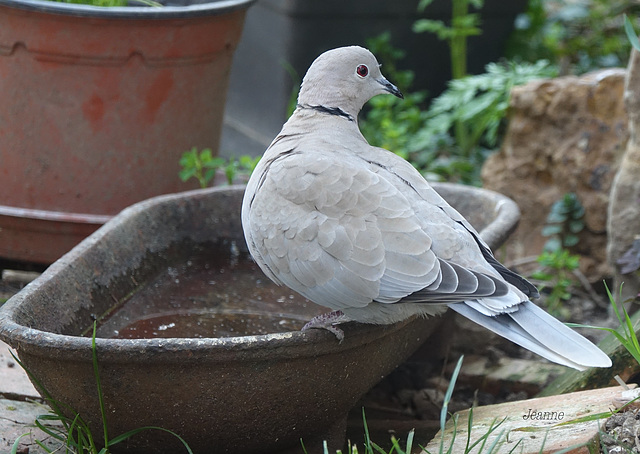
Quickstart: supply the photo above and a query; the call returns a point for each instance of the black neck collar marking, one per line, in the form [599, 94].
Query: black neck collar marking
[327, 110]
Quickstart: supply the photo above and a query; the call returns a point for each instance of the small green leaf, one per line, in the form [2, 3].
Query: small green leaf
[576, 226]
[551, 229]
[631, 33]
[206, 155]
[213, 163]
[16, 443]
[423, 4]
[208, 176]
[553, 244]
[541, 276]
[556, 216]
[570, 240]
[187, 173]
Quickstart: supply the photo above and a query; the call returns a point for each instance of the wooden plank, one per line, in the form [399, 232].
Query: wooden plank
[532, 434]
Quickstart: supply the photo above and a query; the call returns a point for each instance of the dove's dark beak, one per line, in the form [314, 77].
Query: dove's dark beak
[388, 86]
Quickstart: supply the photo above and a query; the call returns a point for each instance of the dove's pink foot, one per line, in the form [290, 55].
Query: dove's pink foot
[327, 321]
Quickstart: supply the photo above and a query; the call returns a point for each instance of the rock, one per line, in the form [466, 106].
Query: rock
[624, 210]
[566, 134]
[14, 382]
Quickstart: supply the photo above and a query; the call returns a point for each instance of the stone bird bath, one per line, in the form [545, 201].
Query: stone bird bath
[193, 338]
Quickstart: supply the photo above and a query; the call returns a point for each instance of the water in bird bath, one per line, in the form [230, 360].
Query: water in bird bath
[208, 294]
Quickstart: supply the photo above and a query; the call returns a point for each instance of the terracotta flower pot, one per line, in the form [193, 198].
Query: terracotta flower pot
[98, 104]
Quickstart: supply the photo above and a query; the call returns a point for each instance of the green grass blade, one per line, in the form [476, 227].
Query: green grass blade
[16, 444]
[44, 448]
[492, 428]
[625, 333]
[129, 434]
[51, 432]
[469, 428]
[370, 446]
[496, 442]
[512, 450]
[409, 444]
[96, 373]
[449, 393]
[50, 417]
[453, 437]
[631, 33]
[445, 406]
[377, 448]
[633, 339]
[544, 441]
[613, 302]
[367, 439]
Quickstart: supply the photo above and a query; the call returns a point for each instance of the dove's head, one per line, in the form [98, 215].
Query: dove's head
[344, 78]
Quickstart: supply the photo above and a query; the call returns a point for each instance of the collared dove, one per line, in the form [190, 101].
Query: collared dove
[357, 229]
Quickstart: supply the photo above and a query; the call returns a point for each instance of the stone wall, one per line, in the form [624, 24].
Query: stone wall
[624, 207]
[566, 134]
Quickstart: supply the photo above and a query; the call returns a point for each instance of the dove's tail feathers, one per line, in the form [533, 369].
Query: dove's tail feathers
[534, 329]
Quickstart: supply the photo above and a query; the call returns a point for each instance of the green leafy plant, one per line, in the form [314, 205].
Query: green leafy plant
[564, 222]
[577, 36]
[558, 265]
[73, 433]
[202, 166]
[556, 275]
[480, 102]
[474, 106]
[626, 332]
[241, 167]
[478, 105]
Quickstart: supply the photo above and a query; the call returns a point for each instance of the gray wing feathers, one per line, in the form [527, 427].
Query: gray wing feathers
[455, 283]
[534, 329]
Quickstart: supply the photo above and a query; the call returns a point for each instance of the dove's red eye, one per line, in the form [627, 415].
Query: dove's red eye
[362, 70]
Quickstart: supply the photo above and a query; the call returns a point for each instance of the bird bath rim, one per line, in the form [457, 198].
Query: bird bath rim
[291, 344]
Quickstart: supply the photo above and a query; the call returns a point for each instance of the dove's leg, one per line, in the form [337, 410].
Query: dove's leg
[327, 321]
